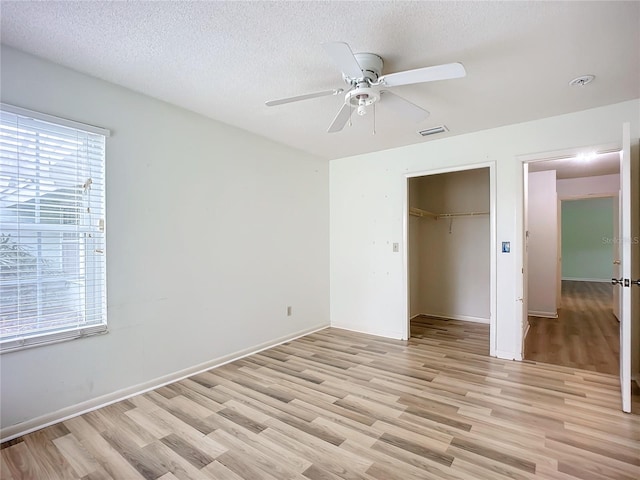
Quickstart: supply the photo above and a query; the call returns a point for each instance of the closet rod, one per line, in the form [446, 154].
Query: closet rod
[468, 214]
[418, 212]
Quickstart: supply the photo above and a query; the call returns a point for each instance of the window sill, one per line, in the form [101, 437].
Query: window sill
[23, 343]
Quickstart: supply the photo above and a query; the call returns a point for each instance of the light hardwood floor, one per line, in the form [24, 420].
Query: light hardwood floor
[343, 405]
[585, 335]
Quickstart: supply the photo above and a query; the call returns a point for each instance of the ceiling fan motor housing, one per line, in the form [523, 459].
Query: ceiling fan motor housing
[371, 66]
[362, 94]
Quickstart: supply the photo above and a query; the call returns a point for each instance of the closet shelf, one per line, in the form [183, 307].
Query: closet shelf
[418, 212]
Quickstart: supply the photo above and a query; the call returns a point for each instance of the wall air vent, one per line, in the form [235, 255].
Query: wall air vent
[433, 131]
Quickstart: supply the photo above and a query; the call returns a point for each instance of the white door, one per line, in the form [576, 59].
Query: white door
[625, 261]
[525, 260]
[559, 254]
[617, 269]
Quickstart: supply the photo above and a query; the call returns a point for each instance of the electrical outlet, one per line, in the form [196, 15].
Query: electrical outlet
[289, 311]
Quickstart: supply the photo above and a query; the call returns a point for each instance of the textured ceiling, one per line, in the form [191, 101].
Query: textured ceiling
[224, 59]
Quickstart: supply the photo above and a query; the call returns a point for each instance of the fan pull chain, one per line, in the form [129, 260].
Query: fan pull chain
[374, 119]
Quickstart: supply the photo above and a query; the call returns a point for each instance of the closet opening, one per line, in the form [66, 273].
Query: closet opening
[451, 259]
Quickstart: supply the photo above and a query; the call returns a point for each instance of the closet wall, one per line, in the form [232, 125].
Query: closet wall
[542, 245]
[449, 257]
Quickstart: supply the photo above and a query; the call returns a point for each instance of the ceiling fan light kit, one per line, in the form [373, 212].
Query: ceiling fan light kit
[360, 98]
[366, 86]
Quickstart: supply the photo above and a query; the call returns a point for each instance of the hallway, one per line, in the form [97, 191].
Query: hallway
[585, 335]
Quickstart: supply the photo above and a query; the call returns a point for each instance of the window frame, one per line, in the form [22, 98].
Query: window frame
[70, 332]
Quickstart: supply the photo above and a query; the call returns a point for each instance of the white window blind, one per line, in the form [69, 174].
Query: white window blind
[52, 239]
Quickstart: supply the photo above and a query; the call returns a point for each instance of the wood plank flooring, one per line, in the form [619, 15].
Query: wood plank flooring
[342, 405]
[585, 335]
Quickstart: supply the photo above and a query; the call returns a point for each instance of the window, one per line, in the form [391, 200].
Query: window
[52, 239]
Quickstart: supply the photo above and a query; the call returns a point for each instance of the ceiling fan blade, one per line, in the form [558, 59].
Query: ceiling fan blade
[342, 55]
[297, 98]
[426, 74]
[402, 106]
[341, 119]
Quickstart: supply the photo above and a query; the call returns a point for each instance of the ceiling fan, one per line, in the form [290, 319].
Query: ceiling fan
[366, 86]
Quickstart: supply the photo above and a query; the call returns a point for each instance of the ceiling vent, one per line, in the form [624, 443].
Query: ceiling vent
[433, 130]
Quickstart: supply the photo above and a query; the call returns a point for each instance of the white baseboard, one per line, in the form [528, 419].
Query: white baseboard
[43, 421]
[598, 280]
[536, 313]
[526, 331]
[377, 333]
[464, 318]
[508, 355]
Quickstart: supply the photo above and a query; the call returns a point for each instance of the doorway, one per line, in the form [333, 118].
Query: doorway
[571, 318]
[451, 258]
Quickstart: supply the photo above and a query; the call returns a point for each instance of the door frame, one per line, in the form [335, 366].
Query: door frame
[556, 155]
[493, 243]
[526, 160]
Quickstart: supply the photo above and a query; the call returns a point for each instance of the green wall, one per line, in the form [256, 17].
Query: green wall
[587, 233]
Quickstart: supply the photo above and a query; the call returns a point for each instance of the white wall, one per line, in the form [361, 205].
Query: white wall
[587, 227]
[368, 203]
[578, 187]
[542, 244]
[211, 233]
[450, 263]
[415, 257]
[596, 186]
